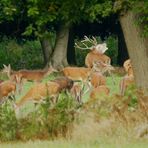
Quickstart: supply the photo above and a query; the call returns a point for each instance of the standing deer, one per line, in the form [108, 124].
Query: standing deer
[97, 79]
[128, 79]
[77, 91]
[33, 75]
[40, 91]
[7, 88]
[96, 53]
[128, 67]
[99, 91]
[125, 82]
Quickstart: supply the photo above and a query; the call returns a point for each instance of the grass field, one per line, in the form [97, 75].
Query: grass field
[88, 134]
[76, 144]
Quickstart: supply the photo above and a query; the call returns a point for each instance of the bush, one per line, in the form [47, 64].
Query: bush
[48, 121]
[8, 122]
[25, 54]
[112, 52]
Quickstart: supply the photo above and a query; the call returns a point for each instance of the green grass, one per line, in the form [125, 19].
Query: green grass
[114, 88]
[76, 144]
[94, 141]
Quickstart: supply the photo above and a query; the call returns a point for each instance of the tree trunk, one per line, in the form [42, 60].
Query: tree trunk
[47, 49]
[137, 48]
[59, 57]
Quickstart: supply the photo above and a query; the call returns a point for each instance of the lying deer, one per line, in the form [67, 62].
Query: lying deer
[96, 53]
[40, 91]
[7, 88]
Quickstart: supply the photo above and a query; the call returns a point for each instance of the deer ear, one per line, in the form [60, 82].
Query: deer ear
[9, 66]
[4, 66]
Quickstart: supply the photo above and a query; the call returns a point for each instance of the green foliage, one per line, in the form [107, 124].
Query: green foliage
[47, 120]
[140, 7]
[99, 9]
[20, 55]
[8, 122]
[61, 117]
[112, 52]
[7, 10]
[131, 93]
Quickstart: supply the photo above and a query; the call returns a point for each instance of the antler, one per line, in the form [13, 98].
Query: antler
[93, 41]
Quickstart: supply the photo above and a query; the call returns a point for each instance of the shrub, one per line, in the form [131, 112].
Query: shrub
[61, 117]
[20, 55]
[112, 44]
[48, 121]
[8, 122]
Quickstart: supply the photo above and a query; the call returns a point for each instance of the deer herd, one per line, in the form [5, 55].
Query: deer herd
[76, 80]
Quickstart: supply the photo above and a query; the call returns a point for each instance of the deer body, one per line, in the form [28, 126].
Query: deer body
[33, 75]
[98, 91]
[77, 91]
[40, 91]
[7, 88]
[97, 79]
[128, 79]
[125, 82]
[93, 56]
[77, 73]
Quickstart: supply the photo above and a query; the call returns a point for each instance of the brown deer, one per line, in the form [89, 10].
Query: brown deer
[7, 88]
[40, 91]
[99, 91]
[97, 79]
[128, 67]
[77, 91]
[96, 53]
[128, 79]
[77, 73]
[32, 75]
[125, 82]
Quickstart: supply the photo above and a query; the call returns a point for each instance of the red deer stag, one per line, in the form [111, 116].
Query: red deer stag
[96, 53]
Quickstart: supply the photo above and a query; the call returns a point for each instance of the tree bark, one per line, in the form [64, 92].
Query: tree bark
[47, 49]
[59, 57]
[137, 48]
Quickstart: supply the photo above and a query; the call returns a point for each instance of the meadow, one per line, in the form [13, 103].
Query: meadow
[108, 122]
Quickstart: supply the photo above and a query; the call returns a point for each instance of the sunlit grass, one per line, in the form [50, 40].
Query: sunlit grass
[76, 144]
